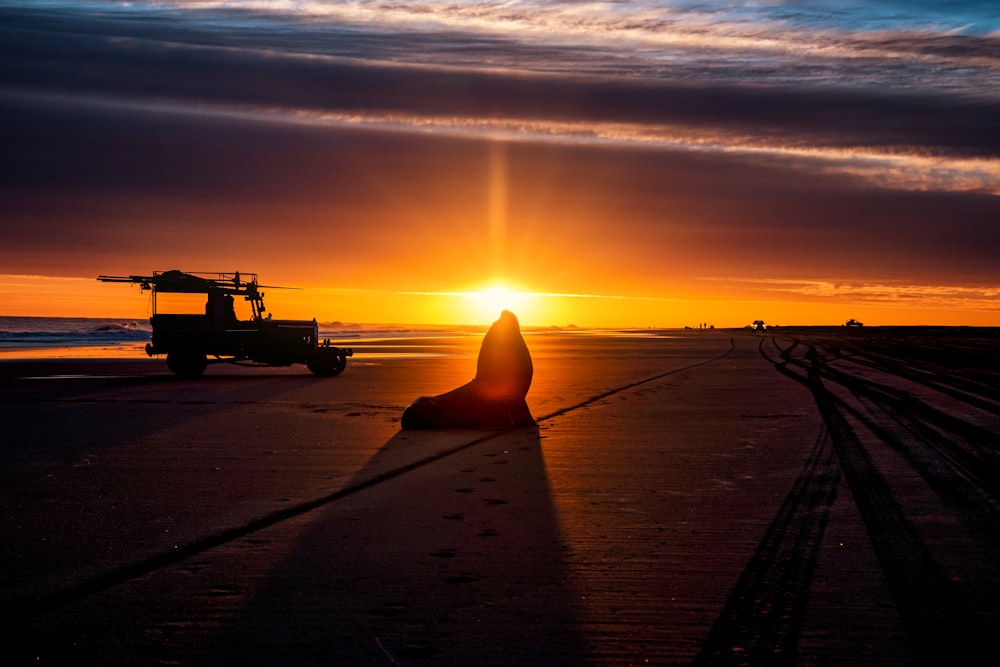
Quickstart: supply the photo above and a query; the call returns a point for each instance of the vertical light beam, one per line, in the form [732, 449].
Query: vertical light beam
[497, 206]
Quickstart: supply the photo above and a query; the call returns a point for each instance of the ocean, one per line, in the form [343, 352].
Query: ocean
[41, 332]
[28, 333]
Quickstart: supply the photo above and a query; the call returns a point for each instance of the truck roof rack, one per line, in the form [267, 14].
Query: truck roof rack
[193, 282]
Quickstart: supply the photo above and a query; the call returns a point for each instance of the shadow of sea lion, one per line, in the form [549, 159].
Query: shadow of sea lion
[494, 399]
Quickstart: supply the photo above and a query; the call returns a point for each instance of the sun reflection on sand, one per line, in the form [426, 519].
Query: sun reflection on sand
[124, 351]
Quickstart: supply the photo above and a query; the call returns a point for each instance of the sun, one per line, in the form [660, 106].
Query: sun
[486, 304]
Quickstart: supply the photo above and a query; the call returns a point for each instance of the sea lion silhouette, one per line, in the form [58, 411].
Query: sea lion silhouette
[494, 399]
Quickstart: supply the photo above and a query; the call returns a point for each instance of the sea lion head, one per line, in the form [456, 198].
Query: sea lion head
[504, 368]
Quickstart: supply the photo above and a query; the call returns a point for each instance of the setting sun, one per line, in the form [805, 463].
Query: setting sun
[486, 304]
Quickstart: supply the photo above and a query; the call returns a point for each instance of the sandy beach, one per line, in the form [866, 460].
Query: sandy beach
[801, 497]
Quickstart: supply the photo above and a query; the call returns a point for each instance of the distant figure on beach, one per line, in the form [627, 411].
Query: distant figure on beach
[494, 399]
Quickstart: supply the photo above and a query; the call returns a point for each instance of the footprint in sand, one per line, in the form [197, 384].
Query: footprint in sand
[223, 592]
[418, 649]
[390, 609]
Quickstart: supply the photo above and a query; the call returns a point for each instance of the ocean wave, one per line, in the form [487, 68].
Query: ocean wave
[58, 332]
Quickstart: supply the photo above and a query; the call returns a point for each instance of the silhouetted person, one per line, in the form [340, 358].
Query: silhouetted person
[229, 310]
[494, 399]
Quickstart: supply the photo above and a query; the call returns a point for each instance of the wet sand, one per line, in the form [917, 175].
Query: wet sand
[808, 497]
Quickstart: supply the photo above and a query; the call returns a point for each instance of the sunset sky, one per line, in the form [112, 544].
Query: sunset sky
[626, 164]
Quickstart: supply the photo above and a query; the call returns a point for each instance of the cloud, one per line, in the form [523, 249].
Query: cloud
[899, 294]
[871, 47]
[930, 140]
[906, 168]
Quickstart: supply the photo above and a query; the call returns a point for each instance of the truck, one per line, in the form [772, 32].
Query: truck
[195, 323]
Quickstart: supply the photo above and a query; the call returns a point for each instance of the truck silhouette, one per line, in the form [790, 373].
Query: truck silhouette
[208, 327]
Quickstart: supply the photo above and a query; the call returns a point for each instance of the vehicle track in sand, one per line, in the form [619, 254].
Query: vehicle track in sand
[911, 425]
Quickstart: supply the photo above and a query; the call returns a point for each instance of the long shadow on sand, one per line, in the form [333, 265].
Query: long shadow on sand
[458, 561]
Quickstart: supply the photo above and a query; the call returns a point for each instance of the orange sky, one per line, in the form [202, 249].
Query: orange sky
[83, 297]
[608, 191]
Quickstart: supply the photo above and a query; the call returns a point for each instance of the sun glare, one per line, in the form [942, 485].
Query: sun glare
[486, 304]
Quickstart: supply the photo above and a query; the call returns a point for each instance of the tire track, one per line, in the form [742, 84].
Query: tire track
[963, 475]
[931, 609]
[940, 625]
[761, 620]
[957, 459]
[969, 450]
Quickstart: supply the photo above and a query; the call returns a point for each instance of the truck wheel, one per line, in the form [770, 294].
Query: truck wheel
[186, 363]
[327, 362]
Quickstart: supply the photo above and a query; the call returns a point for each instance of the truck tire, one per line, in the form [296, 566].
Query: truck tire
[187, 363]
[327, 362]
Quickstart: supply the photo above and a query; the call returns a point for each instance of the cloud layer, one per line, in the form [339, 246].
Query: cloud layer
[693, 139]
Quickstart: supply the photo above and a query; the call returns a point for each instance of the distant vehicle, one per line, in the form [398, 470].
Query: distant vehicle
[853, 323]
[207, 326]
[758, 325]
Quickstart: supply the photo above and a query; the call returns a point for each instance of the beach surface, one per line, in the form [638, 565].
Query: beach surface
[807, 497]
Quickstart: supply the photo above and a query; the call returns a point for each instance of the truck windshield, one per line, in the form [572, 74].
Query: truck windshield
[180, 304]
[172, 303]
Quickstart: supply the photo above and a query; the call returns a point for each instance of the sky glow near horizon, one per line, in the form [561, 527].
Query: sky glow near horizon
[667, 162]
